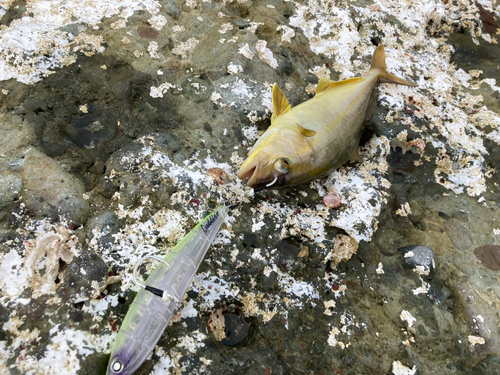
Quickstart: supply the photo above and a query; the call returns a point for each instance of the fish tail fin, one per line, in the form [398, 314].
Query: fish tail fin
[378, 62]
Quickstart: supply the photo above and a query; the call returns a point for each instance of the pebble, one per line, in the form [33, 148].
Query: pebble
[331, 200]
[49, 191]
[489, 256]
[420, 259]
[236, 329]
[219, 175]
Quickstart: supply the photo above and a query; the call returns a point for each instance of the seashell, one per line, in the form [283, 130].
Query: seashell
[331, 200]
[218, 175]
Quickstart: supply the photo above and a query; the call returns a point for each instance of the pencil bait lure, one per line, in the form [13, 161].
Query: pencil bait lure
[159, 300]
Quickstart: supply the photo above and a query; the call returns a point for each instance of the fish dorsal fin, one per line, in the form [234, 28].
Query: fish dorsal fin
[306, 132]
[280, 103]
[325, 84]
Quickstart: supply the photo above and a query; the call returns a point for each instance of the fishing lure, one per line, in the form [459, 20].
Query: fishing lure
[159, 300]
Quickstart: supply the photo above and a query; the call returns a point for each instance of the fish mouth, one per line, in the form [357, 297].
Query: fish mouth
[259, 184]
[254, 170]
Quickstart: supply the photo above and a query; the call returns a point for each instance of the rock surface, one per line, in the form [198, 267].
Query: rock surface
[114, 117]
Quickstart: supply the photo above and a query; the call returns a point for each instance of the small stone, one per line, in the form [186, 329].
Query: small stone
[81, 286]
[236, 328]
[49, 191]
[218, 175]
[304, 252]
[147, 32]
[420, 259]
[331, 200]
[489, 256]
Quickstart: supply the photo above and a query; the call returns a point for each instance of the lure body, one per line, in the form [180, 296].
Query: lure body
[149, 314]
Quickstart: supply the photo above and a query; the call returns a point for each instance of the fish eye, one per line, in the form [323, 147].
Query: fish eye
[117, 365]
[283, 165]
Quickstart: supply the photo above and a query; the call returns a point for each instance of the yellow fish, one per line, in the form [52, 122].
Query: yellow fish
[319, 135]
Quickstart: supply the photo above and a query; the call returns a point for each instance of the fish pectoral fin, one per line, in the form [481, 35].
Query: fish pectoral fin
[306, 132]
[325, 84]
[280, 103]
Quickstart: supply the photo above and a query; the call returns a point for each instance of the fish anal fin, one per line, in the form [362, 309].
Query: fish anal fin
[280, 103]
[372, 105]
[355, 152]
[306, 132]
[325, 84]
[378, 62]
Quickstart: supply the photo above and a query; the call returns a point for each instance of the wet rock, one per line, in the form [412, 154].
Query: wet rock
[10, 187]
[401, 209]
[90, 130]
[482, 336]
[100, 229]
[420, 259]
[49, 191]
[171, 9]
[35, 104]
[489, 256]
[458, 234]
[242, 94]
[197, 89]
[16, 133]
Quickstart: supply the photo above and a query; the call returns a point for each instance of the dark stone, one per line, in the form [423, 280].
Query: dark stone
[287, 251]
[35, 105]
[54, 149]
[207, 127]
[75, 284]
[311, 78]
[90, 130]
[250, 239]
[488, 18]
[122, 89]
[423, 257]
[147, 32]
[171, 9]
[141, 78]
[168, 142]
[236, 328]
[489, 256]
